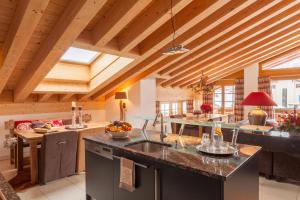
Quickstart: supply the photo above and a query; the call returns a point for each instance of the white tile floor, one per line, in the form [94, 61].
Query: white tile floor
[73, 188]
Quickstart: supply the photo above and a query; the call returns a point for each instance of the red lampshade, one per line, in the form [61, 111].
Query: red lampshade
[258, 99]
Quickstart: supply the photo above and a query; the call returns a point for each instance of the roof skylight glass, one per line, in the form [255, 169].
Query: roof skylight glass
[81, 56]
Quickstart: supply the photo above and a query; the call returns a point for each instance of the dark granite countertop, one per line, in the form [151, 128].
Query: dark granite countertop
[6, 191]
[185, 158]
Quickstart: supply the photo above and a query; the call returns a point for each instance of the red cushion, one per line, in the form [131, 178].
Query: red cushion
[25, 126]
[22, 121]
[57, 122]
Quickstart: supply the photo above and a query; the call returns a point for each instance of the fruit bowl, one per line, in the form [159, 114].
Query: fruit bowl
[119, 130]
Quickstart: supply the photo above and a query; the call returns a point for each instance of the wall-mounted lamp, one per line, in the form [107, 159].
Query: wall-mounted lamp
[121, 96]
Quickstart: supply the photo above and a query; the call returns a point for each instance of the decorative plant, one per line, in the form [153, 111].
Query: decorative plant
[206, 108]
[290, 123]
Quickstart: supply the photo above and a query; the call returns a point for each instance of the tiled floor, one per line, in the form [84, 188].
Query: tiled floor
[73, 188]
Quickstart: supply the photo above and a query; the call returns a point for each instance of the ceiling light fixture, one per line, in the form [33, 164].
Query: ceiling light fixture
[176, 48]
[202, 86]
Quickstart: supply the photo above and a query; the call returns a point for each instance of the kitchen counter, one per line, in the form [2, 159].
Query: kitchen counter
[186, 158]
[6, 191]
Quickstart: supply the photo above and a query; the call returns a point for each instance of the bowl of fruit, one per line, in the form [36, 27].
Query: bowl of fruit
[119, 130]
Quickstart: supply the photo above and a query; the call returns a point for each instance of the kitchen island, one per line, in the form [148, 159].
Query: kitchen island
[169, 172]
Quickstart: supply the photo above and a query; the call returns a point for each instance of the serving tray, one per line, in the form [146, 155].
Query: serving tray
[224, 150]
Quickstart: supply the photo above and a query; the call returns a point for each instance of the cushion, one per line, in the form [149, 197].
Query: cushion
[25, 126]
[38, 124]
[57, 122]
[22, 121]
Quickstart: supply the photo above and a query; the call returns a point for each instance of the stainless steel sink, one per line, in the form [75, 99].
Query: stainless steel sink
[148, 146]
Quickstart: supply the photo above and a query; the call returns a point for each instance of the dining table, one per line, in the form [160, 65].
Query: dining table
[35, 139]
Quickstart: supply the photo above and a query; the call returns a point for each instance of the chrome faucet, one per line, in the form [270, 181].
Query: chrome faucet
[162, 132]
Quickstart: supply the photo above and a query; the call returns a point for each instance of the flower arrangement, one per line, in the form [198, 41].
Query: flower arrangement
[206, 108]
[290, 123]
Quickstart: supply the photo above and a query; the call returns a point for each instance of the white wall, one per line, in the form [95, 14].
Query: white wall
[97, 115]
[169, 94]
[140, 102]
[251, 74]
[173, 94]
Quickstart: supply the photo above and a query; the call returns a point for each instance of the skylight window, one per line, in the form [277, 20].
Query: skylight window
[81, 56]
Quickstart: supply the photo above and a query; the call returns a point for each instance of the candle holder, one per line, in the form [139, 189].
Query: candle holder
[80, 112]
[73, 117]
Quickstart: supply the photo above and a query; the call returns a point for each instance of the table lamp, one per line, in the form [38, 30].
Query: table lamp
[257, 116]
[121, 96]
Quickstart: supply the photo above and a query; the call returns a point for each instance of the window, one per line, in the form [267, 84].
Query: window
[174, 108]
[285, 93]
[78, 55]
[184, 107]
[229, 97]
[165, 109]
[284, 97]
[218, 99]
[224, 99]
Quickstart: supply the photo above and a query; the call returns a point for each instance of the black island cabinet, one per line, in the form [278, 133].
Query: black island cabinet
[162, 181]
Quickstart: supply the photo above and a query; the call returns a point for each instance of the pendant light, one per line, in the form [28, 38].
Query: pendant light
[176, 48]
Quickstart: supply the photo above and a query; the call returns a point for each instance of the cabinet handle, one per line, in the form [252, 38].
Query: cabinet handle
[135, 163]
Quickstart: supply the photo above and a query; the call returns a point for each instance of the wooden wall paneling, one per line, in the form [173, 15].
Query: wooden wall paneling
[27, 17]
[66, 97]
[44, 97]
[47, 107]
[61, 87]
[69, 26]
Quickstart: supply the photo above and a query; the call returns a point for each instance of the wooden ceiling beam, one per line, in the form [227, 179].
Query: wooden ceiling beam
[153, 17]
[237, 68]
[232, 67]
[44, 97]
[152, 57]
[115, 19]
[278, 57]
[234, 30]
[245, 54]
[221, 12]
[282, 61]
[27, 17]
[293, 53]
[66, 97]
[213, 57]
[84, 41]
[74, 19]
[185, 19]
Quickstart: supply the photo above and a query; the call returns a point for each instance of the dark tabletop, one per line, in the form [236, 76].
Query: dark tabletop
[7, 190]
[185, 158]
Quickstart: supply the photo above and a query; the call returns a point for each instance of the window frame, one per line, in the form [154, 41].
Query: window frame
[223, 109]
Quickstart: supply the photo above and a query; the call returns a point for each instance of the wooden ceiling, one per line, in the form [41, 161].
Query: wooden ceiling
[223, 37]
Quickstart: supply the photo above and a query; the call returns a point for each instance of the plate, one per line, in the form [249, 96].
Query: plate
[224, 150]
